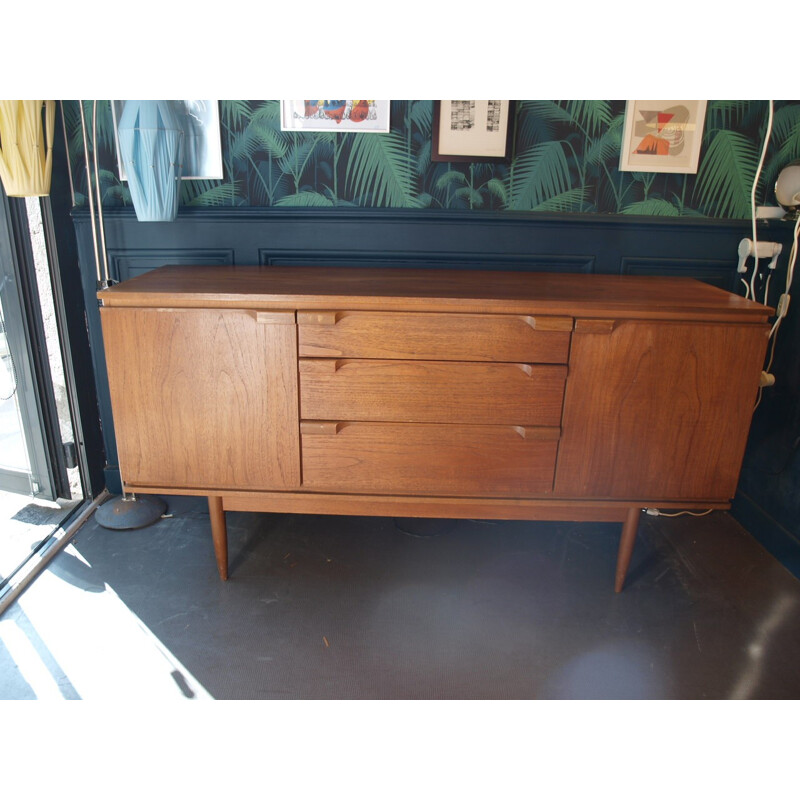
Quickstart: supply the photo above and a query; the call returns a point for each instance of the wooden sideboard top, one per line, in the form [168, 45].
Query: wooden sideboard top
[389, 289]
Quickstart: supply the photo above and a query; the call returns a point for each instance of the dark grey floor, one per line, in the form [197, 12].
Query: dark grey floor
[345, 607]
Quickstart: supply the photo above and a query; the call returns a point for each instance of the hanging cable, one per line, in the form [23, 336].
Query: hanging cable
[654, 512]
[782, 308]
[752, 285]
[783, 302]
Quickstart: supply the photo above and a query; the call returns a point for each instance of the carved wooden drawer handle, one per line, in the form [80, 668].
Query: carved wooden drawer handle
[274, 317]
[539, 434]
[325, 427]
[319, 317]
[596, 325]
[548, 323]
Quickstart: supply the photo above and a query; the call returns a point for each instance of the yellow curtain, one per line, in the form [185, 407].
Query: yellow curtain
[26, 147]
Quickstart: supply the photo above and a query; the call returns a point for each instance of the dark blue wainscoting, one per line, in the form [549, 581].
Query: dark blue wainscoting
[692, 247]
[423, 239]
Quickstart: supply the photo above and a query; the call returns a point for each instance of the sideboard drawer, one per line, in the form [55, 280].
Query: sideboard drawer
[457, 337]
[424, 459]
[431, 391]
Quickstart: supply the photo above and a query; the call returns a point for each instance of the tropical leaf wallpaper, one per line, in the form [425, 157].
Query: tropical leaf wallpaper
[566, 157]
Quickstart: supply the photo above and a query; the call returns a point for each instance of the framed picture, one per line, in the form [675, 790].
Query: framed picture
[341, 116]
[662, 135]
[202, 153]
[472, 130]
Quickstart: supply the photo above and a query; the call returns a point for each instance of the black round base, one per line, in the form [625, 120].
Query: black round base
[121, 514]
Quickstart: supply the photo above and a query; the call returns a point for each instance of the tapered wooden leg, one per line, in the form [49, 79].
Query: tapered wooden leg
[626, 542]
[219, 532]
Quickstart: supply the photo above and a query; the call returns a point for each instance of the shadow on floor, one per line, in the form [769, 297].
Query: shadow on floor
[321, 607]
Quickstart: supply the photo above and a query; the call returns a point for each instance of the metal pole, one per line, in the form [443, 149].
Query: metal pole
[89, 193]
[99, 194]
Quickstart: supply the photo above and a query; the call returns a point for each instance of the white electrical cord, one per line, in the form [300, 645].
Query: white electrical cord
[654, 512]
[783, 303]
[751, 287]
[781, 311]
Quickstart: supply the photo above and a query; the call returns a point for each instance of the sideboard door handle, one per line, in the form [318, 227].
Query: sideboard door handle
[539, 434]
[548, 323]
[274, 317]
[316, 427]
[319, 317]
[596, 325]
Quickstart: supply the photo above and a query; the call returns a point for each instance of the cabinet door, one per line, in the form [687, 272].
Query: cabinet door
[204, 398]
[658, 410]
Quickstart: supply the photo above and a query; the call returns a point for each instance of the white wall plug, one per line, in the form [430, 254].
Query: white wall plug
[769, 250]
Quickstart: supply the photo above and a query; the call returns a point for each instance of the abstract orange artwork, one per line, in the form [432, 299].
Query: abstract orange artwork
[662, 136]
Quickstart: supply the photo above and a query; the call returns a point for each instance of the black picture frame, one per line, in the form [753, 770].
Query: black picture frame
[498, 151]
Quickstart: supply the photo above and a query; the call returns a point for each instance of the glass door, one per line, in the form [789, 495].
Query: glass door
[24, 464]
[40, 483]
[16, 473]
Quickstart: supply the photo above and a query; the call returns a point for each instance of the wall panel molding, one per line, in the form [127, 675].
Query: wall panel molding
[715, 271]
[426, 238]
[124, 264]
[428, 260]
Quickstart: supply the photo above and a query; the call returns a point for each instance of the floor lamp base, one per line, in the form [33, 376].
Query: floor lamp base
[126, 513]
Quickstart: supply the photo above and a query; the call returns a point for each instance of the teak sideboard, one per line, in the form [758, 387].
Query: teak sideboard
[431, 393]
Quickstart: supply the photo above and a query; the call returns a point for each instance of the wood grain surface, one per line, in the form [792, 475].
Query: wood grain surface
[431, 391]
[456, 337]
[659, 410]
[473, 291]
[385, 458]
[204, 398]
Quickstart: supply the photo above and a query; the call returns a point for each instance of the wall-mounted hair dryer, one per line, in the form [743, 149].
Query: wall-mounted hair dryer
[769, 250]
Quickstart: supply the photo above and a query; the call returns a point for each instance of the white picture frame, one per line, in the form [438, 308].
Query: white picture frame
[202, 120]
[662, 135]
[336, 116]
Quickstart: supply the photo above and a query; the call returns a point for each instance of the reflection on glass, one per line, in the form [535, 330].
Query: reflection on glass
[13, 452]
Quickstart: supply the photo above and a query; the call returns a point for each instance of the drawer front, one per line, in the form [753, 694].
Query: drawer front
[456, 337]
[431, 391]
[423, 459]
